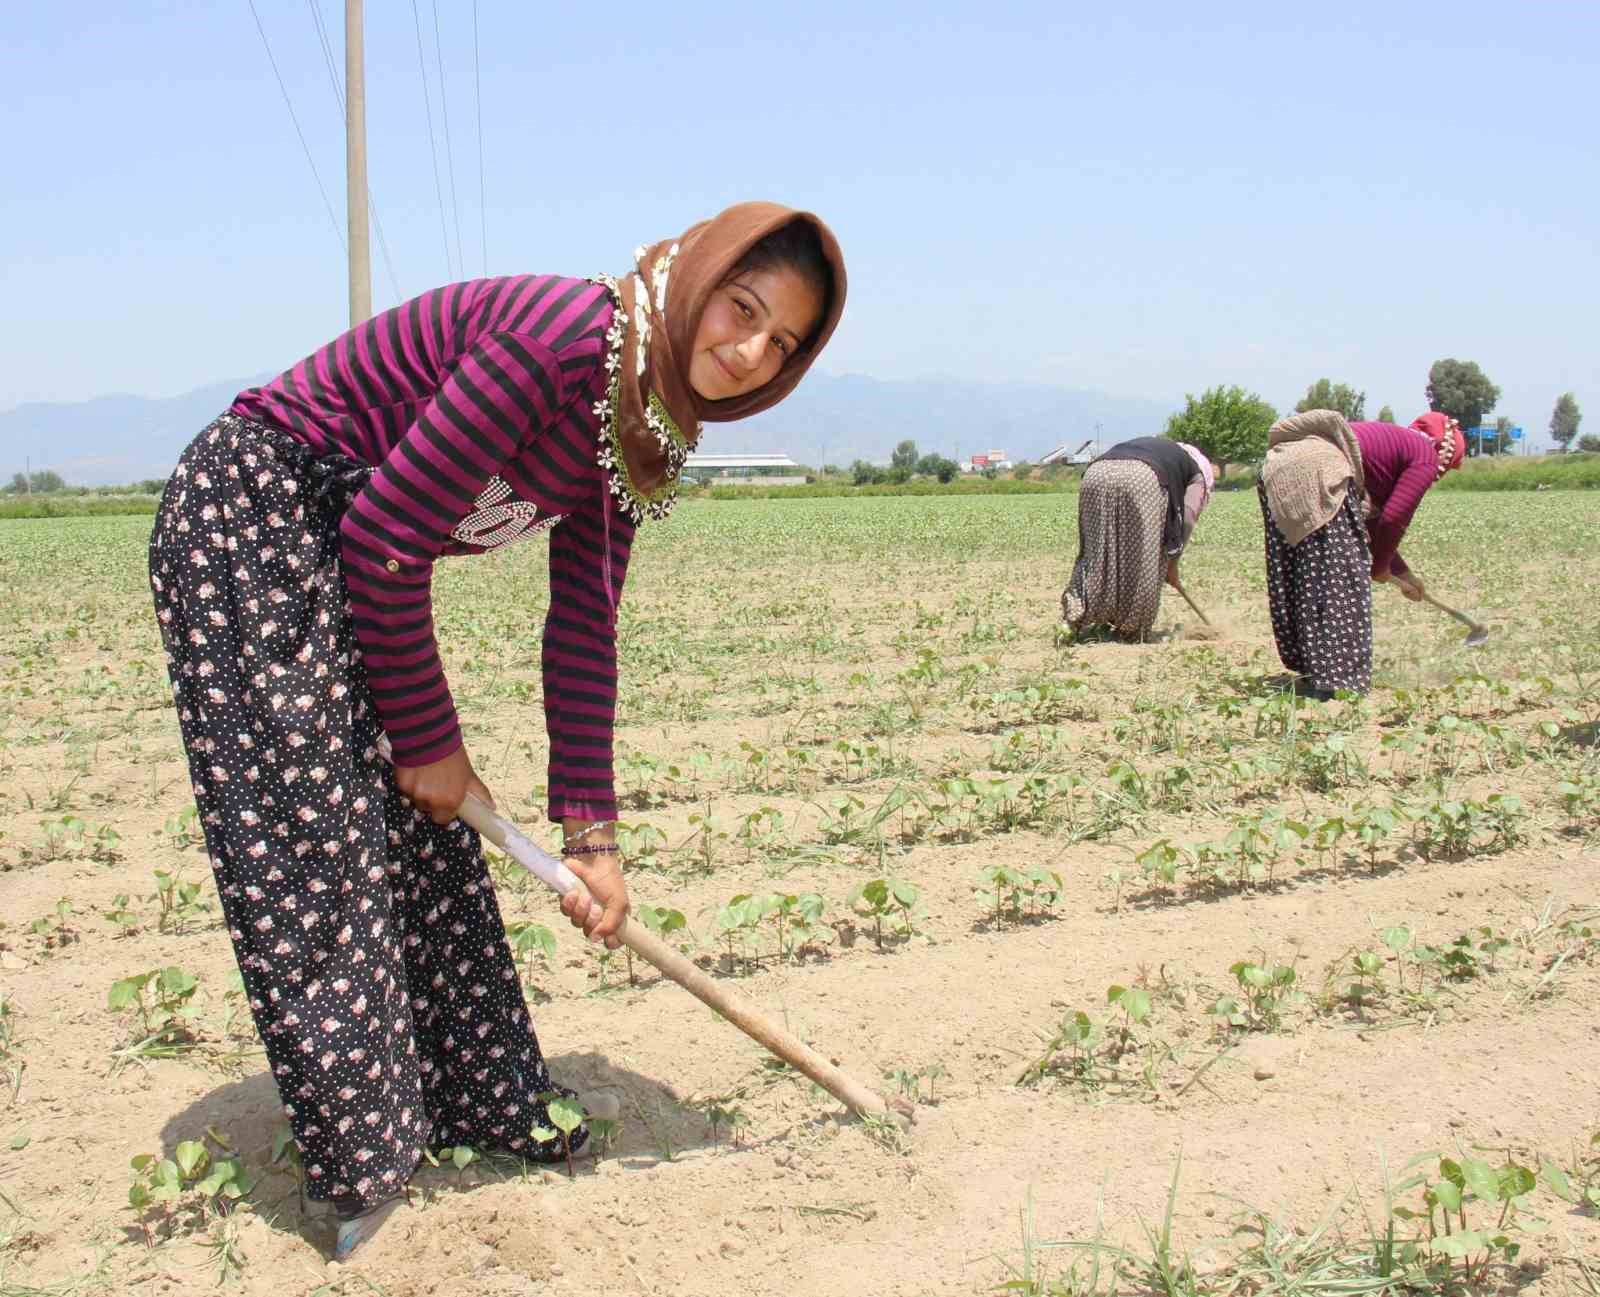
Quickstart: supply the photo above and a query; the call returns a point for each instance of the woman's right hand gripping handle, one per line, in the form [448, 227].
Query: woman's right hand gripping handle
[441, 786]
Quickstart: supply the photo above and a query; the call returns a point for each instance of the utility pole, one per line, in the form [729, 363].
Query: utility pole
[355, 153]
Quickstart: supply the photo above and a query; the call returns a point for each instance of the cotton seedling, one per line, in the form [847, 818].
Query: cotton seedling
[180, 902]
[722, 1112]
[641, 845]
[1160, 862]
[708, 835]
[55, 930]
[1368, 968]
[122, 916]
[1505, 817]
[1268, 989]
[1372, 826]
[162, 998]
[1491, 1195]
[210, 1185]
[799, 920]
[1069, 1051]
[533, 943]
[894, 899]
[182, 830]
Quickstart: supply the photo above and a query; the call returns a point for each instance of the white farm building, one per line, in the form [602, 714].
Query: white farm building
[744, 470]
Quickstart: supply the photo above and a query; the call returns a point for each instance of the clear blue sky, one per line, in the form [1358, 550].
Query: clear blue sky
[1145, 202]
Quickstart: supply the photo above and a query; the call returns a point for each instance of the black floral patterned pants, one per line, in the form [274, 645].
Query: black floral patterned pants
[1320, 592]
[369, 938]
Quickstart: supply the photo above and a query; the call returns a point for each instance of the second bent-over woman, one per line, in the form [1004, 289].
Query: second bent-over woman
[1137, 507]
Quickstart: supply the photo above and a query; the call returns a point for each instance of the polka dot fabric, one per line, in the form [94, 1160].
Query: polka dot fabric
[1116, 580]
[369, 938]
[1320, 592]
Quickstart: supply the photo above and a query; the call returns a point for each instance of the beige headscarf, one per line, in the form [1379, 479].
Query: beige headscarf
[1312, 461]
[651, 417]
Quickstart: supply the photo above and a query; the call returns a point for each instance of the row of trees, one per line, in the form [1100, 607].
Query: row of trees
[30, 483]
[904, 464]
[1230, 424]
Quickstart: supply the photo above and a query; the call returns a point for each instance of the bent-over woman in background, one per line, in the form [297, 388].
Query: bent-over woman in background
[1137, 508]
[1336, 498]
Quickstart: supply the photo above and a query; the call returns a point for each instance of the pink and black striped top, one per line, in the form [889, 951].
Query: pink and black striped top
[1400, 465]
[474, 403]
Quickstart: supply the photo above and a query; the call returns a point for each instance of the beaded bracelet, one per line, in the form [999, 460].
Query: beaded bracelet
[587, 829]
[592, 849]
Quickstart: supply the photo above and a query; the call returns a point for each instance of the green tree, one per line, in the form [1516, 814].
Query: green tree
[43, 480]
[1228, 424]
[1589, 442]
[865, 474]
[905, 457]
[938, 466]
[1463, 391]
[1386, 415]
[1564, 420]
[1326, 395]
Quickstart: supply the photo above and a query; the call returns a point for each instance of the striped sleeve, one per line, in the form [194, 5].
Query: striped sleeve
[492, 396]
[580, 658]
[1418, 474]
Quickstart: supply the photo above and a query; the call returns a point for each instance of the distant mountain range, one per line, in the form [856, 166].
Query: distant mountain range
[831, 419]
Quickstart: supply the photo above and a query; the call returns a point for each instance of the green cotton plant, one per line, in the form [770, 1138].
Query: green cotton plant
[1504, 815]
[888, 899]
[1467, 1219]
[1018, 892]
[535, 944]
[1368, 968]
[1268, 990]
[192, 1177]
[122, 916]
[1445, 826]
[1069, 1052]
[708, 833]
[163, 999]
[1372, 827]
[566, 1115]
[183, 829]
[56, 929]
[641, 845]
[1160, 862]
[739, 921]
[180, 903]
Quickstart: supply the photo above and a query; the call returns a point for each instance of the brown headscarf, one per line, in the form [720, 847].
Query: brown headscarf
[651, 417]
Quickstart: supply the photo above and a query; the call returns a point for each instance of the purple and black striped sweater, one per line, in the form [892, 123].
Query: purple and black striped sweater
[474, 403]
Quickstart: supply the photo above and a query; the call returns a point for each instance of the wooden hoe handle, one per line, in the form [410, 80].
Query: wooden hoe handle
[723, 1000]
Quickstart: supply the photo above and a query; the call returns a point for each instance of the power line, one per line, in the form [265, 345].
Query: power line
[477, 87]
[338, 96]
[449, 153]
[332, 219]
[433, 148]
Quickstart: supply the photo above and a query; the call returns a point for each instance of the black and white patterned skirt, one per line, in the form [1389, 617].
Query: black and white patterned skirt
[1320, 592]
[369, 938]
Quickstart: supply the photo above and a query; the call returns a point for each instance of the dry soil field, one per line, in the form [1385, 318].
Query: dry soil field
[1101, 910]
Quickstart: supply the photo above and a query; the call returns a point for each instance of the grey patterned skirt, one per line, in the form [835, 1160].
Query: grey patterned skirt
[1116, 581]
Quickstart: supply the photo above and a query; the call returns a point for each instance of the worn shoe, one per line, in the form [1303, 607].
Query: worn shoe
[357, 1229]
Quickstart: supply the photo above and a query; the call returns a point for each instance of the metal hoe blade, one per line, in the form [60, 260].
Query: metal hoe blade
[1477, 634]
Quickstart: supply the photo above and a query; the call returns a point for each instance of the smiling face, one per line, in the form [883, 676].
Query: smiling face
[752, 324]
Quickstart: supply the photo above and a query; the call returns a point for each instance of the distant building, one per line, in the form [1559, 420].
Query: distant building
[744, 470]
[1060, 455]
[991, 459]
